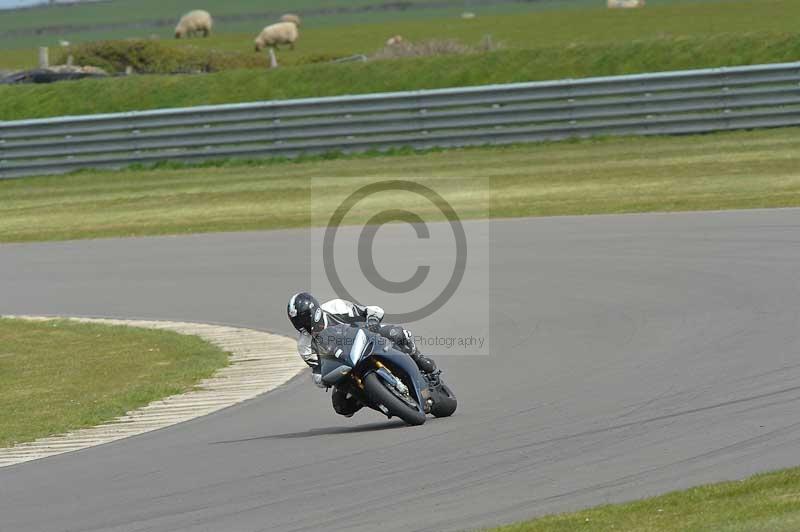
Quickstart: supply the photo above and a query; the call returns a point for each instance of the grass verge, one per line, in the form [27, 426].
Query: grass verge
[581, 60]
[764, 503]
[58, 375]
[614, 175]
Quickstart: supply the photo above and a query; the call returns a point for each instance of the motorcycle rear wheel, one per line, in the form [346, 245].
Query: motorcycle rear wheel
[446, 402]
[379, 394]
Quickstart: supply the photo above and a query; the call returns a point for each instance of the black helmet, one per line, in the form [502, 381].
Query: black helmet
[305, 313]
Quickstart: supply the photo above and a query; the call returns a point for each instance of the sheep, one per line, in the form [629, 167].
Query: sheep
[291, 17]
[395, 40]
[194, 22]
[275, 34]
[625, 4]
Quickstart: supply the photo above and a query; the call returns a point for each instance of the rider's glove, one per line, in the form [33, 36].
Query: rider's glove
[409, 341]
[373, 324]
[317, 378]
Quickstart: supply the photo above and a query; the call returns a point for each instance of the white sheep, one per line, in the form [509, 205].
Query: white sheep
[275, 34]
[193, 22]
[625, 4]
[291, 17]
[395, 40]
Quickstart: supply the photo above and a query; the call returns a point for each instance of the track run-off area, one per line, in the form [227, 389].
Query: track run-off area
[258, 363]
[630, 355]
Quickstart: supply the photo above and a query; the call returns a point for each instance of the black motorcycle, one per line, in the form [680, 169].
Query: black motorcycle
[380, 376]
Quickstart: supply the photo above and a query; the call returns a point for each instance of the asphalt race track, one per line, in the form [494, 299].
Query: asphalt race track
[631, 355]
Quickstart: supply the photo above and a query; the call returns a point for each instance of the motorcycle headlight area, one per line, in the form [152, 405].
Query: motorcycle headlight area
[359, 344]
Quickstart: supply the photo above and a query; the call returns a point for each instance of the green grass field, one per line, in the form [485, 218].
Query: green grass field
[537, 45]
[150, 92]
[58, 375]
[82, 22]
[525, 28]
[542, 29]
[721, 171]
[764, 503]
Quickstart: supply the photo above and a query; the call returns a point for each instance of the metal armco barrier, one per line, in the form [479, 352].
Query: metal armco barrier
[692, 101]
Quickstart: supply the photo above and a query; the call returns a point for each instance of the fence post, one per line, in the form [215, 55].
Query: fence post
[44, 57]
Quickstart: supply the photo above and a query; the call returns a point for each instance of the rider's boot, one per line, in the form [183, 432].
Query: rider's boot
[404, 340]
[425, 364]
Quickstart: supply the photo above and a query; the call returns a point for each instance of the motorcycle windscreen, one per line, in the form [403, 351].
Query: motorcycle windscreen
[358, 348]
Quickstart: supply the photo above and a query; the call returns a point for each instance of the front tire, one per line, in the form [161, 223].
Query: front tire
[379, 394]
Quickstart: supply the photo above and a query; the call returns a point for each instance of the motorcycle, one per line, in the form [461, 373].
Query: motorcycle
[381, 376]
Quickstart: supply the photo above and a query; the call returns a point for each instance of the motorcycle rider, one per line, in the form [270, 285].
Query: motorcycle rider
[310, 319]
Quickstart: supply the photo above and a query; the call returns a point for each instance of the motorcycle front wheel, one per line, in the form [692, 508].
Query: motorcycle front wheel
[380, 394]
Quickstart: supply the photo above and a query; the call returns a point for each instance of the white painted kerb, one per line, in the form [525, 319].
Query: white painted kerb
[259, 362]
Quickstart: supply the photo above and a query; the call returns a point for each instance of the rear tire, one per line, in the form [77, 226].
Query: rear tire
[379, 394]
[446, 402]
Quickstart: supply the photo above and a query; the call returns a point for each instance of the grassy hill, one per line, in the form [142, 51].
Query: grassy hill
[153, 91]
[536, 45]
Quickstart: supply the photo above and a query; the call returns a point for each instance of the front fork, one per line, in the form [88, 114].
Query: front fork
[398, 384]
